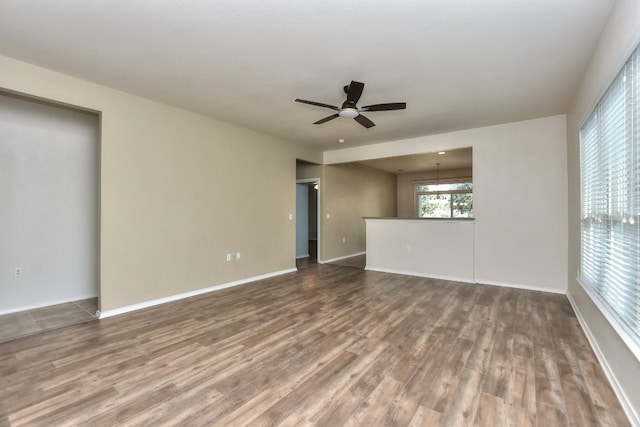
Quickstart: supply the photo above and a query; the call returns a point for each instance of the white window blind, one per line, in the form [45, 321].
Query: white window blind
[610, 225]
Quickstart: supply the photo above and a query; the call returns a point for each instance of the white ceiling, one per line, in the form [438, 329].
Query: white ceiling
[457, 63]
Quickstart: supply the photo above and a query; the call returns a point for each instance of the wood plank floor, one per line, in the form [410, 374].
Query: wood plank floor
[326, 346]
[357, 261]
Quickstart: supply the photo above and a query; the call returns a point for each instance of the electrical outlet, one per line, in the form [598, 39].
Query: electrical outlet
[17, 272]
[228, 257]
[407, 249]
[237, 255]
[344, 240]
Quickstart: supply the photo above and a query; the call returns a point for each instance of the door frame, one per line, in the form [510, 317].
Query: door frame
[319, 217]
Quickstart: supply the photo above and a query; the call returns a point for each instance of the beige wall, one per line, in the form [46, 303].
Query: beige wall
[406, 181]
[620, 37]
[308, 171]
[350, 192]
[519, 196]
[178, 191]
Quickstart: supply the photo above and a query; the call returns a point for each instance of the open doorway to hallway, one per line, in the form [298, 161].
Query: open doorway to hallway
[307, 224]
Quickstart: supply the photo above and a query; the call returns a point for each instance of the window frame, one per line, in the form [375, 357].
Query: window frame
[417, 194]
[613, 123]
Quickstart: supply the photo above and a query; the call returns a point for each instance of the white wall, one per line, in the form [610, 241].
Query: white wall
[520, 197]
[619, 38]
[442, 249]
[49, 204]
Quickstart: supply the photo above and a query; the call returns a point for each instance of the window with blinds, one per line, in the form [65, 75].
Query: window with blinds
[610, 223]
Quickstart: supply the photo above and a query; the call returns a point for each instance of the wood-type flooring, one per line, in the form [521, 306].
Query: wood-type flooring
[326, 346]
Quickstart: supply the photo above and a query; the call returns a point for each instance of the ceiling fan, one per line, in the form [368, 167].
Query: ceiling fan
[351, 110]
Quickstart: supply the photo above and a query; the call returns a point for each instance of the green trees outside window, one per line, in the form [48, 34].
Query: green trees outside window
[451, 200]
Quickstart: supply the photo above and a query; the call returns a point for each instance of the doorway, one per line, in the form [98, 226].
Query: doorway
[307, 224]
[49, 182]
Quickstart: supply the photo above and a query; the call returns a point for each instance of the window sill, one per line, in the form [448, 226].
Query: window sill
[618, 325]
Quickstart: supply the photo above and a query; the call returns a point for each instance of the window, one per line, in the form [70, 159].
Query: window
[448, 200]
[610, 217]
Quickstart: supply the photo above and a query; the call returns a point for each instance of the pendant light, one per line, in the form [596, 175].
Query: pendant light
[438, 181]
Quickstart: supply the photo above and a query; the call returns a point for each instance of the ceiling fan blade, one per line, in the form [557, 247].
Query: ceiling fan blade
[326, 119]
[364, 121]
[318, 104]
[354, 92]
[385, 107]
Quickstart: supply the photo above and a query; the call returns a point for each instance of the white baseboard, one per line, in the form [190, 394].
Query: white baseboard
[325, 261]
[46, 304]
[146, 304]
[468, 280]
[518, 286]
[302, 256]
[413, 273]
[634, 419]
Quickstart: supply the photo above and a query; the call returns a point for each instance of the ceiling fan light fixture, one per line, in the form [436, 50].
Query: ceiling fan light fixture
[349, 112]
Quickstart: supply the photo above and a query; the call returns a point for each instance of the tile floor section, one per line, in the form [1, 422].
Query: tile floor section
[16, 325]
